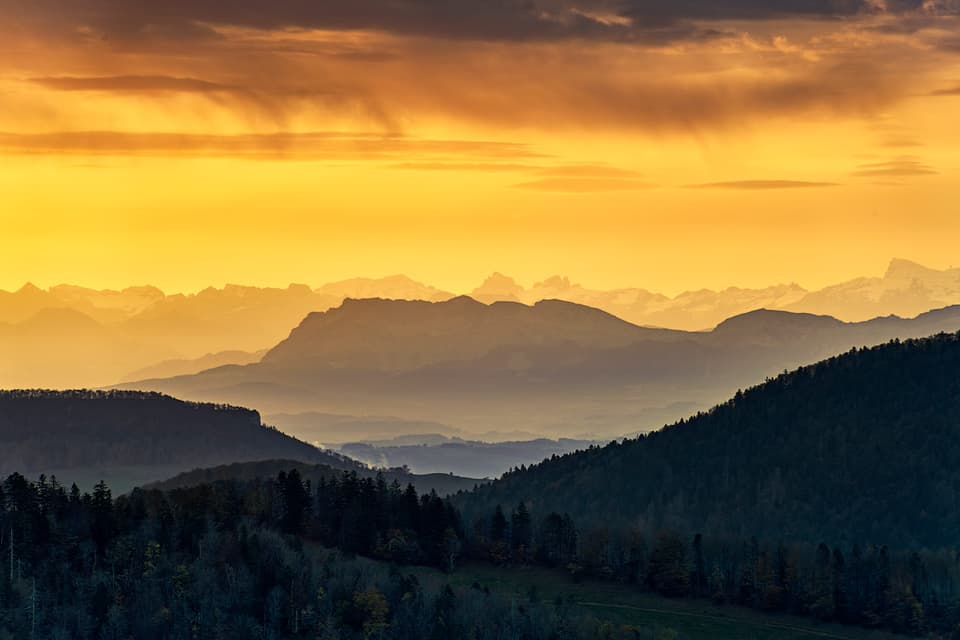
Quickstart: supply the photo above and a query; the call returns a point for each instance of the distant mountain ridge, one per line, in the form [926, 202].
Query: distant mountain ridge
[183, 366]
[475, 459]
[555, 368]
[69, 336]
[395, 335]
[906, 289]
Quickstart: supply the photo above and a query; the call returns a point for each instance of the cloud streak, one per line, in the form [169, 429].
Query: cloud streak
[293, 146]
[133, 84]
[584, 185]
[763, 185]
[905, 167]
[950, 92]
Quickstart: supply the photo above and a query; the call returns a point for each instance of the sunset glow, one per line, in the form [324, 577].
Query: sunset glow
[620, 143]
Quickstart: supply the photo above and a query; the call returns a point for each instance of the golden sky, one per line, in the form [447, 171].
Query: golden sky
[669, 145]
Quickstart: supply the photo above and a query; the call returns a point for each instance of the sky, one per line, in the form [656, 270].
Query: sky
[668, 145]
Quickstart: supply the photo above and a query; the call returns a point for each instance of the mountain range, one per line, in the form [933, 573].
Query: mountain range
[467, 457]
[555, 368]
[905, 289]
[69, 336]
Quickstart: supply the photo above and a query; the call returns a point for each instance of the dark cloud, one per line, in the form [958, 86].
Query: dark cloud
[659, 12]
[464, 19]
[760, 185]
[284, 77]
[647, 20]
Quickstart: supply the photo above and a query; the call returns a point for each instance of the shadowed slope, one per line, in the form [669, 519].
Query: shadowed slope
[861, 447]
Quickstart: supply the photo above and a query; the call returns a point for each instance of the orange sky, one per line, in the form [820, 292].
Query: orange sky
[621, 142]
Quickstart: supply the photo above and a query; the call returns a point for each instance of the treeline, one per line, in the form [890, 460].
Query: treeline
[370, 517]
[111, 394]
[908, 592]
[246, 559]
[234, 561]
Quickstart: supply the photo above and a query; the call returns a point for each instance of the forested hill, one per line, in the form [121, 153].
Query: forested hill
[442, 483]
[863, 447]
[51, 431]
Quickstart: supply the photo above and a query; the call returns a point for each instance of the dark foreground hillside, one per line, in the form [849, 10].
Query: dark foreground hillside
[863, 447]
[105, 431]
[254, 560]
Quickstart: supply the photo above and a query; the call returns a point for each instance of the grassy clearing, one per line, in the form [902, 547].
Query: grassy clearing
[624, 605]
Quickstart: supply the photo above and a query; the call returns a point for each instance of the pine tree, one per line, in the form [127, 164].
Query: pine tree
[498, 526]
[667, 572]
[101, 508]
[822, 605]
[699, 581]
[520, 532]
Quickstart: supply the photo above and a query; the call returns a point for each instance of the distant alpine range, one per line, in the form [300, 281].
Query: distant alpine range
[69, 336]
[555, 369]
[368, 360]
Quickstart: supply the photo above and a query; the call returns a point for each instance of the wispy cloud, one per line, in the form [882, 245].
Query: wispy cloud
[584, 185]
[760, 185]
[495, 167]
[133, 84]
[588, 171]
[904, 167]
[900, 142]
[293, 146]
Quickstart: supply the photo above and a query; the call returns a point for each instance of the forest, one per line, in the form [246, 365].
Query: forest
[42, 431]
[247, 560]
[862, 448]
[281, 558]
[910, 592]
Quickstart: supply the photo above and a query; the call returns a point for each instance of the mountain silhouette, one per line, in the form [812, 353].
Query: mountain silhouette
[393, 335]
[185, 366]
[554, 368]
[142, 327]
